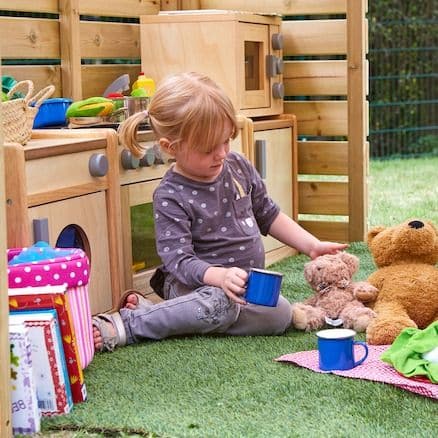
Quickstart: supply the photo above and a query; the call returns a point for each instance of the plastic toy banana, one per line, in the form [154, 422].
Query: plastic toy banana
[91, 107]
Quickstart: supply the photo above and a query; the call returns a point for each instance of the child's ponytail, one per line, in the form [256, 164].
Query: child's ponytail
[127, 133]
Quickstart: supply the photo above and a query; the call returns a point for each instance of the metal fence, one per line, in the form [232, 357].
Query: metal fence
[403, 95]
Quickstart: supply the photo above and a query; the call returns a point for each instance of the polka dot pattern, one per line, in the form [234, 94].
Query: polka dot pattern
[71, 270]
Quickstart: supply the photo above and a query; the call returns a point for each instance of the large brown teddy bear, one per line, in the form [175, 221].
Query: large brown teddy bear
[337, 300]
[407, 279]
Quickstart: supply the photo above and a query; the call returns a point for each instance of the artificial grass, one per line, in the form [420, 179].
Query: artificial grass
[231, 387]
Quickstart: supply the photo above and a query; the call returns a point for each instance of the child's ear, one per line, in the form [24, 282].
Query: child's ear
[167, 146]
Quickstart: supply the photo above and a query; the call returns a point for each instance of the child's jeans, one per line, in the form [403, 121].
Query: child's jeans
[203, 311]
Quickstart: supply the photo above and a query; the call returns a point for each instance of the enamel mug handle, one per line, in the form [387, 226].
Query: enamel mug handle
[365, 346]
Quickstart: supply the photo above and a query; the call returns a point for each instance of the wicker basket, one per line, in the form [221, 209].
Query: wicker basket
[17, 115]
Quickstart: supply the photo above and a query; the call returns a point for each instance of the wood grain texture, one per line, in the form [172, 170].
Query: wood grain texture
[315, 78]
[321, 118]
[323, 157]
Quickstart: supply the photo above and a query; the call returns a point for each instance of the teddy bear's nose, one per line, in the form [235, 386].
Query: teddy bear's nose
[416, 224]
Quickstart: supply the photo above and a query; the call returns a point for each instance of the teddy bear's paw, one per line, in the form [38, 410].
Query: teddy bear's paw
[363, 320]
[365, 292]
[305, 317]
[384, 331]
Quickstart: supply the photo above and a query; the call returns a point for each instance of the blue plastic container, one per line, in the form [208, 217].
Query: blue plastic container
[52, 113]
[263, 287]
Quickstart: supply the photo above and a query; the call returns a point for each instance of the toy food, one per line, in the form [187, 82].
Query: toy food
[91, 107]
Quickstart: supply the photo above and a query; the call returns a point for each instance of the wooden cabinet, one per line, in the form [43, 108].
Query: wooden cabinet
[274, 153]
[242, 52]
[63, 187]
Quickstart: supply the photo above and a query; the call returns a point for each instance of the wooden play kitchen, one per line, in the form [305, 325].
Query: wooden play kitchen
[323, 76]
[63, 188]
[80, 188]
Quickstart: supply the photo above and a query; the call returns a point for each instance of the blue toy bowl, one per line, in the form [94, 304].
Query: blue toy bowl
[52, 113]
[263, 287]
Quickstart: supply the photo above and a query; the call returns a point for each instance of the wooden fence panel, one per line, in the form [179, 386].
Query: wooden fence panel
[314, 37]
[327, 230]
[315, 78]
[323, 158]
[36, 38]
[119, 8]
[320, 117]
[43, 6]
[323, 198]
[291, 7]
[109, 40]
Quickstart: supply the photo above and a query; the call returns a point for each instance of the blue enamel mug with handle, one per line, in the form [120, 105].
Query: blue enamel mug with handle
[263, 287]
[336, 349]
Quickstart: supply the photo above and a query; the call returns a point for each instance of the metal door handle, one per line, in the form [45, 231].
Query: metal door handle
[260, 157]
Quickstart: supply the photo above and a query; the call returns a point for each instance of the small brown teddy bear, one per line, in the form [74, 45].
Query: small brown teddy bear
[337, 299]
[407, 279]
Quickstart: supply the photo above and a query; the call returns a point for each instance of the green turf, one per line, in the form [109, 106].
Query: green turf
[231, 387]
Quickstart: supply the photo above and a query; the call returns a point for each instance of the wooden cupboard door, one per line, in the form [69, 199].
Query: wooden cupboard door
[276, 171]
[253, 80]
[88, 216]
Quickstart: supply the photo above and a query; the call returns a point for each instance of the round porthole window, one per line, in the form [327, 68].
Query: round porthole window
[73, 236]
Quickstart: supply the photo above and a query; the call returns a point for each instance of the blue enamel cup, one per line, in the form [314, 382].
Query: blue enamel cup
[336, 349]
[263, 287]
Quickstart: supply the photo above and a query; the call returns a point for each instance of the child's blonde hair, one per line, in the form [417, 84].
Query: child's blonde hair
[186, 107]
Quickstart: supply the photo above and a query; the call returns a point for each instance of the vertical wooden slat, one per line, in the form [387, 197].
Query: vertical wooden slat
[5, 372]
[70, 49]
[357, 118]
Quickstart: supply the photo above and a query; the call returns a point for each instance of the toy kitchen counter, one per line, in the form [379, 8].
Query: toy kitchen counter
[63, 187]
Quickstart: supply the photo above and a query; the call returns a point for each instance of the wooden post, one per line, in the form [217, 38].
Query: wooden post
[357, 118]
[71, 69]
[5, 370]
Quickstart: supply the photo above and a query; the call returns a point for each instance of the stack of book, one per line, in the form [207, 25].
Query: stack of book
[46, 370]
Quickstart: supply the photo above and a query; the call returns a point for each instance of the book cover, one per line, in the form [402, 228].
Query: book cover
[51, 377]
[55, 297]
[24, 404]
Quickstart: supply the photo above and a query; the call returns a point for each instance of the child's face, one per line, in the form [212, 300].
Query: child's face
[202, 166]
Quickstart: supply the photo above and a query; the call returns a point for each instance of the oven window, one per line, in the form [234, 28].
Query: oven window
[252, 65]
[144, 251]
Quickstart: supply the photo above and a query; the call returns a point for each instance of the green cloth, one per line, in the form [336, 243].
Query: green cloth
[405, 354]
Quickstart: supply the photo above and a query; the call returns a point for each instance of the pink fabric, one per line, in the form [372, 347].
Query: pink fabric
[372, 369]
[71, 271]
[81, 315]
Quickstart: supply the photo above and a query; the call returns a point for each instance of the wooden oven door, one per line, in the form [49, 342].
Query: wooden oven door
[139, 250]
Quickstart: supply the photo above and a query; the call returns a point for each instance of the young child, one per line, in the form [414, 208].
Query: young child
[210, 210]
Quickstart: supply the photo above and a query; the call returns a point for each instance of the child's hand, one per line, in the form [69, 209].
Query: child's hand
[233, 283]
[321, 248]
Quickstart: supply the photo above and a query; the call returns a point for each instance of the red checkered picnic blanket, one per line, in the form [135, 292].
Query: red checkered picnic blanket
[372, 369]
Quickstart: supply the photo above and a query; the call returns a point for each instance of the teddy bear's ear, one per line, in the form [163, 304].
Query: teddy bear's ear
[433, 226]
[350, 260]
[374, 232]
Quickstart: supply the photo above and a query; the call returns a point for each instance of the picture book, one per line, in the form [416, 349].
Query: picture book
[24, 403]
[51, 377]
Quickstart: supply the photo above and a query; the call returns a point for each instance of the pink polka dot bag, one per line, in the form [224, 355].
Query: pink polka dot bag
[41, 265]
